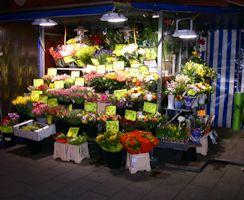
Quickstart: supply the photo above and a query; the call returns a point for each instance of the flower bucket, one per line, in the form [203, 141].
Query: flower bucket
[42, 120]
[171, 101]
[196, 135]
[179, 104]
[202, 99]
[113, 159]
[189, 102]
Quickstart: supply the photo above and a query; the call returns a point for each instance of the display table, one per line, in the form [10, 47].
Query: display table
[69, 152]
[138, 162]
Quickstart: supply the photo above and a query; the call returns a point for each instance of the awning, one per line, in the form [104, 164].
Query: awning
[94, 10]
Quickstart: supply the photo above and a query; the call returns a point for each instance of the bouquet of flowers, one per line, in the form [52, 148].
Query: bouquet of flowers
[138, 141]
[109, 141]
[10, 120]
[23, 105]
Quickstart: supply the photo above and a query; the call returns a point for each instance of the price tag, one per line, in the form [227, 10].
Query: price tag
[49, 119]
[134, 72]
[79, 81]
[90, 106]
[75, 74]
[70, 107]
[150, 63]
[201, 113]
[52, 71]
[120, 93]
[58, 84]
[53, 102]
[112, 126]
[143, 70]
[79, 63]
[43, 99]
[38, 82]
[130, 115]
[110, 110]
[109, 67]
[118, 65]
[135, 65]
[91, 68]
[68, 59]
[150, 107]
[95, 61]
[101, 69]
[73, 131]
[6, 129]
[35, 94]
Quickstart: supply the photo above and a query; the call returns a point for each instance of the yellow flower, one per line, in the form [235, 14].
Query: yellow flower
[194, 53]
[21, 100]
[113, 137]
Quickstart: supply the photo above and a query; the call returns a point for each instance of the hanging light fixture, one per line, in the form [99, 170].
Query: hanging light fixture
[113, 17]
[44, 22]
[184, 33]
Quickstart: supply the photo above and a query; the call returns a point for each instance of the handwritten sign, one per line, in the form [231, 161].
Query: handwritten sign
[130, 115]
[112, 126]
[120, 93]
[110, 110]
[49, 119]
[52, 102]
[52, 71]
[90, 106]
[134, 72]
[43, 99]
[91, 68]
[75, 74]
[38, 82]
[68, 59]
[73, 131]
[79, 81]
[101, 69]
[143, 70]
[150, 107]
[118, 65]
[58, 84]
[6, 129]
[35, 94]
[109, 67]
[95, 61]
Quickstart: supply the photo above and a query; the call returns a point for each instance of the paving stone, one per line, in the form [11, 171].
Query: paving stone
[91, 196]
[129, 194]
[106, 190]
[233, 175]
[240, 196]
[160, 193]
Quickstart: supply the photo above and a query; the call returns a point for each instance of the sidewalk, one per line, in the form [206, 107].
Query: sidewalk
[32, 177]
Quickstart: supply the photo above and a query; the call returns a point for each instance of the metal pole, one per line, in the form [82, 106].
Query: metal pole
[160, 50]
[41, 52]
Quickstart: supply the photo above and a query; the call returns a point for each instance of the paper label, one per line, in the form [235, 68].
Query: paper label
[143, 70]
[49, 119]
[150, 63]
[120, 93]
[101, 69]
[109, 67]
[68, 59]
[95, 61]
[38, 82]
[91, 68]
[90, 106]
[130, 115]
[110, 110]
[43, 99]
[79, 81]
[150, 107]
[73, 131]
[58, 84]
[6, 129]
[112, 126]
[35, 94]
[118, 65]
[52, 102]
[134, 72]
[52, 71]
[70, 107]
[135, 65]
[75, 74]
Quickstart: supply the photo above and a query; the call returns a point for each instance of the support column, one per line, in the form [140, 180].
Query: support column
[41, 52]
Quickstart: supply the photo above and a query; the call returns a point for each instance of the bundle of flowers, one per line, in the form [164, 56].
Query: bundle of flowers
[77, 140]
[62, 77]
[23, 105]
[89, 77]
[42, 110]
[138, 141]
[150, 82]
[101, 55]
[87, 117]
[10, 120]
[109, 141]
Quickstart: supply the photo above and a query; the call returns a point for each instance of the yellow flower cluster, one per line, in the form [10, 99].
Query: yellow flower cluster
[21, 100]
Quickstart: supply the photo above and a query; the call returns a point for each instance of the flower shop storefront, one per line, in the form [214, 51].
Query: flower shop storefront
[113, 87]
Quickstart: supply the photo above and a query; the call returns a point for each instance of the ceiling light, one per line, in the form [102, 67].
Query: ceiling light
[184, 33]
[44, 22]
[154, 16]
[113, 17]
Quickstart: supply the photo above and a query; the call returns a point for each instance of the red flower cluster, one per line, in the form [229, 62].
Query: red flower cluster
[138, 141]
